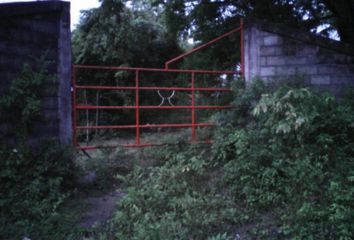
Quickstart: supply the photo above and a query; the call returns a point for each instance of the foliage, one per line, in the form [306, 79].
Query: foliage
[32, 190]
[205, 20]
[33, 179]
[299, 146]
[115, 35]
[28, 87]
[202, 17]
[173, 202]
[289, 156]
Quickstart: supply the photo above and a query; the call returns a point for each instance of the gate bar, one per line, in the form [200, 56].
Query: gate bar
[166, 125]
[140, 146]
[151, 107]
[152, 88]
[156, 69]
[74, 113]
[240, 28]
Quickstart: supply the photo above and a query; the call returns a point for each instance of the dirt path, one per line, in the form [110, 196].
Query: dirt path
[100, 209]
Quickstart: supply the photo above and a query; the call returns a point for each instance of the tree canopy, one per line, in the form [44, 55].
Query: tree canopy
[204, 15]
[116, 35]
[147, 32]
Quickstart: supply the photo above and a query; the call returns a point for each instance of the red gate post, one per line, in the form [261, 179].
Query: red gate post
[74, 110]
[137, 121]
[193, 109]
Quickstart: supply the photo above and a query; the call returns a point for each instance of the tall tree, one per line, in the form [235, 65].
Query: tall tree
[116, 35]
[307, 14]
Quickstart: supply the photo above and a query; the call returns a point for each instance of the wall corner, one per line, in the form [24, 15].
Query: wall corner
[252, 52]
[64, 77]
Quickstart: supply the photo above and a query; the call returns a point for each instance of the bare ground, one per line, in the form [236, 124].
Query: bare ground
[100, 208]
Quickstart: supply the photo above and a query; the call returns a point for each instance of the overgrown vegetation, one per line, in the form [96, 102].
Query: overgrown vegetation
[281, 168]
[33, 179]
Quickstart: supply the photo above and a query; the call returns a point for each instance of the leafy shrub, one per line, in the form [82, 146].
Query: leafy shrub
[32, 189]
[172, 201]
[23, 100]
[286, 152]
[293, 156]
[33, 179]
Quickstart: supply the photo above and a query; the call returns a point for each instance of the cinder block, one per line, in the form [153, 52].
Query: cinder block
[350, 68]
[296, 60]
[272, 40]
[324, 56]
[336, 69]
[271, 51]
[326, 69]
[342, 80]
[266, 34]
[285, 70]
[263, 61]
[341, 58]
[320, 80]
[278, 50]
[268, 50]
[267, 71]
[306, 70]
[39, 25]
[276, 60]
[307, 50]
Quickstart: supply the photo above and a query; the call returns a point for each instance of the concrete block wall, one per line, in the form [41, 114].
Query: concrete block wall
[28, 30]
[275, 53]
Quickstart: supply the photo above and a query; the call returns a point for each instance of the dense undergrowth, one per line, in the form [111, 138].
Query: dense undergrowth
[281, 167]
[34, 179]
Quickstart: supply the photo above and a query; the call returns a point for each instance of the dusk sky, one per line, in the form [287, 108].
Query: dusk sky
[76, 6]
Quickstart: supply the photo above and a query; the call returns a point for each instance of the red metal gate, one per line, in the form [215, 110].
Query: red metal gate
[138, 87]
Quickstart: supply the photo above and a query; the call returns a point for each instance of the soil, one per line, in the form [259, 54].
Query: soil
[100, 208]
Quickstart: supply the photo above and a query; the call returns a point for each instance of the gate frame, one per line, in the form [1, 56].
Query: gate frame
[193, 125]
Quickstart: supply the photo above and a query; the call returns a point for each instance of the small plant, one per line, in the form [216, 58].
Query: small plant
[224, 236]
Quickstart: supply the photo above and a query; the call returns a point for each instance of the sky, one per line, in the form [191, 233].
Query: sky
[76, 6]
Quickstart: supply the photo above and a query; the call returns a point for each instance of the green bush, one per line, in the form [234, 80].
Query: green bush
[173, 202]
[295, 156]
[285, 153]
[33, 185]
[20, 107]
[33, 179]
